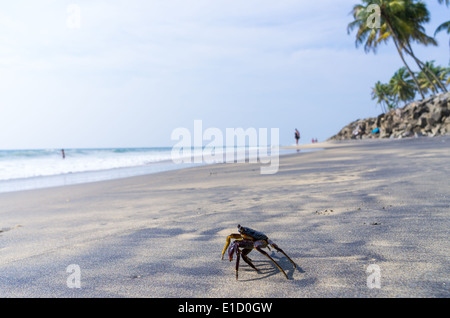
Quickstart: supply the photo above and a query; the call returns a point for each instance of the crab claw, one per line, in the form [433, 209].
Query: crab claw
[231, 250]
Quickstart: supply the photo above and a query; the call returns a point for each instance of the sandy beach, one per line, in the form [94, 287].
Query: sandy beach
[335, 212]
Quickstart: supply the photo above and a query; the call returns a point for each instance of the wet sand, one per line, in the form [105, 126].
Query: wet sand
[335, 212]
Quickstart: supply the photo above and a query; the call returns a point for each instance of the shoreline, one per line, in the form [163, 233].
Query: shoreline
[67, 179]
[58, 180]
[334, 212]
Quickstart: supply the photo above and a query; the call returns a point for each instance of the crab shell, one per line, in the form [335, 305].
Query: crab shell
[250, 234]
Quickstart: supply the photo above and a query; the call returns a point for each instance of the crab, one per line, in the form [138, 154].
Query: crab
[245, 241]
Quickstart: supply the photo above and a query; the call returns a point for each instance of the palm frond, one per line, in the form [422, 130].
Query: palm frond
[443, 27]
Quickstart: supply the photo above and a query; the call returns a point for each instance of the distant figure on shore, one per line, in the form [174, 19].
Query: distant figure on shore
[356, 132]
[297, 136]
[63, 154]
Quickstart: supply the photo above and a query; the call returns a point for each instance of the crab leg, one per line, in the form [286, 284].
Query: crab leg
[247, 247]
[259, 249]
[275, 246]
[235, 236]
[247, 259]
[238, 256]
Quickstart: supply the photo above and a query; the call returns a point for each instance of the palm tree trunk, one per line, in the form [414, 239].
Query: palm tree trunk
[411, 73]
[399, 49]
[423, 67]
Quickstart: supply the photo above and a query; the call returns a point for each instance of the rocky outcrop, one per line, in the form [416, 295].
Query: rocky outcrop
[430, 117]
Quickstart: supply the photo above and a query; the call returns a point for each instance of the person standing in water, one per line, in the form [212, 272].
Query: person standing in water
[63, 154]
[297, 136]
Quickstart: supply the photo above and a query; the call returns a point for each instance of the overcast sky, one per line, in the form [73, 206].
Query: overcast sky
[130, 72]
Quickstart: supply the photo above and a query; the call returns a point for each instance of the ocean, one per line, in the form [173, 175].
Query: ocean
[42, 168]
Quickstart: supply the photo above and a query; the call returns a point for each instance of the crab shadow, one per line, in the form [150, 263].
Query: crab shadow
[267, 269]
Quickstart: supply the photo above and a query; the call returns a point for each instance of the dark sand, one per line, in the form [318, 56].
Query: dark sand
[334, 212]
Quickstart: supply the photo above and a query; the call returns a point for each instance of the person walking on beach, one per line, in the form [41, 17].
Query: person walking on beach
[297, 136]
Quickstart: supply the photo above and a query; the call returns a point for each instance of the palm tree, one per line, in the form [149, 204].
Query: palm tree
[410, 29]
[383, 94]
[392, 20]
[408, 24]
[402, 87]
[425, 83]
[441, 73]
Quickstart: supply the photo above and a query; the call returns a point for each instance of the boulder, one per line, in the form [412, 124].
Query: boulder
[430, 117]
